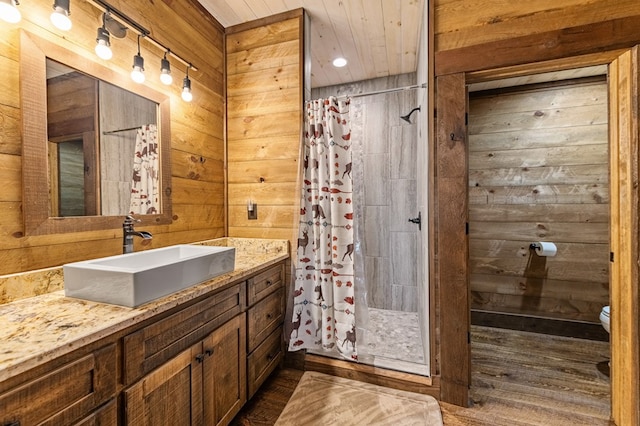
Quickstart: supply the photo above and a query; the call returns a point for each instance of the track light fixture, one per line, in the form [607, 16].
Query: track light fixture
[137, 74]
[60, 15]
[187, 96]
[9, 12]
[165, 70]
[115, 23]
[103, 44]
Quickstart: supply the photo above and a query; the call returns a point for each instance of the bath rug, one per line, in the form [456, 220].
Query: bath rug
[320, 399]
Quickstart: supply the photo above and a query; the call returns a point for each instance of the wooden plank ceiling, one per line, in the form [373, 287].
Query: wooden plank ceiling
[378, 37]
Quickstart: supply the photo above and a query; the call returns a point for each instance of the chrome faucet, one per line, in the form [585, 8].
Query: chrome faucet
[128, 233]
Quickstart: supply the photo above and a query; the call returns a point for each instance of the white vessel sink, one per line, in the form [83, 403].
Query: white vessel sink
[136, 278]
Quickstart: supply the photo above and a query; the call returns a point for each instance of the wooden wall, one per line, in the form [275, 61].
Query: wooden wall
[472, 35]
[197, 128]
[264, 118]
[461, 23]
[538, 171]
[72, 99]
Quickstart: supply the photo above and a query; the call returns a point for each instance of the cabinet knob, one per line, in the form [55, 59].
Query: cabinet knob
[200, 358]
[209, 352]
[269, 315]
[269, 282]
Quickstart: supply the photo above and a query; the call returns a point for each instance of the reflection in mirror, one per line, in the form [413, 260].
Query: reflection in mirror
[96, 146]
[97, 132]
[68, 188]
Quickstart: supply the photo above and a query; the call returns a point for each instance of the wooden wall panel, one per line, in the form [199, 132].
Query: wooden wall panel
[451, 243]
[197, 127]
[522, 190]
[460, 23]
[478, 35]
[624, 84]
[264, 119]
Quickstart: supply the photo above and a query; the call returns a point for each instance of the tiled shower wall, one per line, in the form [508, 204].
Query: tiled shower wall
[385, 146]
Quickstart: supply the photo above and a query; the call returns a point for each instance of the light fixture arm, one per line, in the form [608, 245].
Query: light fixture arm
[187, 96]
[62, 4]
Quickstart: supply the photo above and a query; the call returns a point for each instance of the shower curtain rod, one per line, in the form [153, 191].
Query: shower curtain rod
[378, 92]
[109, 132]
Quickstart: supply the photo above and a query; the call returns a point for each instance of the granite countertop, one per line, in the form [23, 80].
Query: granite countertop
[37, 329]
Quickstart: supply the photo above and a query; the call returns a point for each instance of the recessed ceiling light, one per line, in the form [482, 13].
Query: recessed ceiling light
[339, 62]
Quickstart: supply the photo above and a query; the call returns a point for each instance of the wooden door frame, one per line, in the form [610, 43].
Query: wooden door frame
[450, 221]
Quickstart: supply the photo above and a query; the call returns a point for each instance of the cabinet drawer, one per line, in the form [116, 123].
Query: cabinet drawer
[264, 317]
[65, 395]
[155, 344]
[104, 416]
[265, 283]
[263, 361]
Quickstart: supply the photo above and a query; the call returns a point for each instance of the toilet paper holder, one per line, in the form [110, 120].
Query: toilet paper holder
[544, 248]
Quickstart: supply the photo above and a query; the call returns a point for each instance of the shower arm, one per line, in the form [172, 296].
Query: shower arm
[407, 117]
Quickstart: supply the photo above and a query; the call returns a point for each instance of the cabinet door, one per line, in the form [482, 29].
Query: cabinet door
[169, 395]
[224, 372]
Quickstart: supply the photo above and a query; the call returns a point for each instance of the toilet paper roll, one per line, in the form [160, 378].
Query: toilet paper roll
[546, 248]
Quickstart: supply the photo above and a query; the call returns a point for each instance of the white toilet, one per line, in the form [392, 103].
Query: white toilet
[605, 318]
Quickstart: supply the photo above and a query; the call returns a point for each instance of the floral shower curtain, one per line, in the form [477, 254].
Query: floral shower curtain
[145, 197]
[323, 315]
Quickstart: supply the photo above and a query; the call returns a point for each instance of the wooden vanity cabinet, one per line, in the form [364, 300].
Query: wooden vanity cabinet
[202, 385]
[192, 362]
[153, 345]
[265, 314]
[187, 366]
[78, 392]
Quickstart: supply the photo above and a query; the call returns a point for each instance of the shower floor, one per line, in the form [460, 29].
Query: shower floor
[394, 341]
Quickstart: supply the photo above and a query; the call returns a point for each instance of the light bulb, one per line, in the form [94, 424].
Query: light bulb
[103, 49]
[137, 74]
[165, 72]
[60, 15]
[9, 12]
[166, 78]
[187, 96]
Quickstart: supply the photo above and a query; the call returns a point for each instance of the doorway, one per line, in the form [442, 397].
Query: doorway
[538, 172]
[451, 183]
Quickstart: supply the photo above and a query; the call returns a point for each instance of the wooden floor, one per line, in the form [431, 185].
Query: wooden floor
[267, 404]
[518, 378]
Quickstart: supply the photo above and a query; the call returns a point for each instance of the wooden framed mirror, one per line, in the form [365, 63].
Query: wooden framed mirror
[67, 162]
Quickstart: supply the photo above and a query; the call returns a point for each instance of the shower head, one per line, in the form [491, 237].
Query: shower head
[407, 117]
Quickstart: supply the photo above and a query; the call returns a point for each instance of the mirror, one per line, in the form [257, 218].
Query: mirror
[88, 135]
[98, 135]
